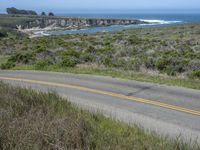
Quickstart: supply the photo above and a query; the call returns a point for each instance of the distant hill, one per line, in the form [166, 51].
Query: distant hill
[13, 10]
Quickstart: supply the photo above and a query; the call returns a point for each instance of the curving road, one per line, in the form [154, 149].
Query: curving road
[167, 110]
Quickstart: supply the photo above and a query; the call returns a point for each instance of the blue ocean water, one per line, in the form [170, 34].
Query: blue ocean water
[163, 19]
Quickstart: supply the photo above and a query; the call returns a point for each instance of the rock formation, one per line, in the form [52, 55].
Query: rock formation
[75, 23]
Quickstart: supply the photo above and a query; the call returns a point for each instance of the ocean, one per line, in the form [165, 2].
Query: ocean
[163, 19]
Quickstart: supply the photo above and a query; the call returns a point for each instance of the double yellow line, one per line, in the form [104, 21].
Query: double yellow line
[121, 96]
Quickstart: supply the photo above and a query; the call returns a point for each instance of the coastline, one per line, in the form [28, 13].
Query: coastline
[35, 26]
[39, 32]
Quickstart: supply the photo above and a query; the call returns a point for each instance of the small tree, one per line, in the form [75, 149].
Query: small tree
[51, 14]
[43, 14]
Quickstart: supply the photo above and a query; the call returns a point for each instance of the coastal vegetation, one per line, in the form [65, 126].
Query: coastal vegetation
[35, 120]
[51, 14]
[15, 11]
[169, 55]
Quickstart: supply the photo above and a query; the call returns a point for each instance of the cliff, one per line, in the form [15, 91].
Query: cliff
[32, 22]
[71, 23]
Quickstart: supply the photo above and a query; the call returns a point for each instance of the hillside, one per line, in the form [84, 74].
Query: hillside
[14, 10]
[169, 55]
[34, 120]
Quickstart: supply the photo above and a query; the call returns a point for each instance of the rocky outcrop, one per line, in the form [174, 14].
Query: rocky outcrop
[71, 23]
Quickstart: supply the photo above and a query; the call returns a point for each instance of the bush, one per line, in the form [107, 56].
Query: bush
[120, 63]
[68, 61]
[134, 40]
[196, 74]
[162, 64]
[3, 34]
[42, 64]
[86, 57]
[133, 64]
[22, 57]
[91, 49]
[107, 61]
[71, 53]
[69, 58]
[105, 50]
[40, 48]
[172, 65]
[7, 65]
[149, 63]
[194, 65]
[171, 71]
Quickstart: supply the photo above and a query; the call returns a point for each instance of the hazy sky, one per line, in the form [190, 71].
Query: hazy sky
[68, 5]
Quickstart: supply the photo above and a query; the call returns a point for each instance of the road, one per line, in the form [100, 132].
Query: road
[167, 110]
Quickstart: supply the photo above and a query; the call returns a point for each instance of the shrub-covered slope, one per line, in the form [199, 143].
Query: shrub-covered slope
[172, 51]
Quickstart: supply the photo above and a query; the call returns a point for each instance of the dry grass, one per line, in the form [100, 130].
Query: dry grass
[32, 120]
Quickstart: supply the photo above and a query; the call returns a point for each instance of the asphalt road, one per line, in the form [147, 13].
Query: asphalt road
[167, 110]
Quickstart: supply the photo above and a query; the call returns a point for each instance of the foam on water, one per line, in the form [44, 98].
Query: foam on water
[152, 23]
[161, 21]
[41, 33]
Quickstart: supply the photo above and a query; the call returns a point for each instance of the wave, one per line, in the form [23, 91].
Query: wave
[74, 30]
[41, 33]
[161, 21]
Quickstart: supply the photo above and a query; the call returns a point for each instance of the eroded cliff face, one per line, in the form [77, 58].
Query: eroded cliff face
[66, 23]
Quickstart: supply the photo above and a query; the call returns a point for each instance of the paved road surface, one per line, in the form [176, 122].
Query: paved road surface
[167, 110]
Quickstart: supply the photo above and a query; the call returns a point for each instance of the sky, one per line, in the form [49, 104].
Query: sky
[102, 5]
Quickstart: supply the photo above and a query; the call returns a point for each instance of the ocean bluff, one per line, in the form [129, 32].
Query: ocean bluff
[42, 24]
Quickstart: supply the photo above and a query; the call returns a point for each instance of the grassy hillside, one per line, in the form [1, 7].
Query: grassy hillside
[12, 20]
[169, 55]
[34, 120]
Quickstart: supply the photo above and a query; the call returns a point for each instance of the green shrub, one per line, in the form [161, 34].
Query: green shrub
[134, 64]
[163, 43]
[107, 43]
[68, 61]
[3, 34]
[7, 65]
[91, 49]
[86, 57]
[149, 63]
[133, 39]
[171, 71]
[120, 63]
[69, 58]
[41, 64]
[107, 61]
[162, 64]
[105, 50]
[171, 65]
[196, 74]
[40, 48]
[22, 57]
[71, 53]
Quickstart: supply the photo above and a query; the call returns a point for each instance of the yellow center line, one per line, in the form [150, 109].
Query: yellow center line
[131, 98]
